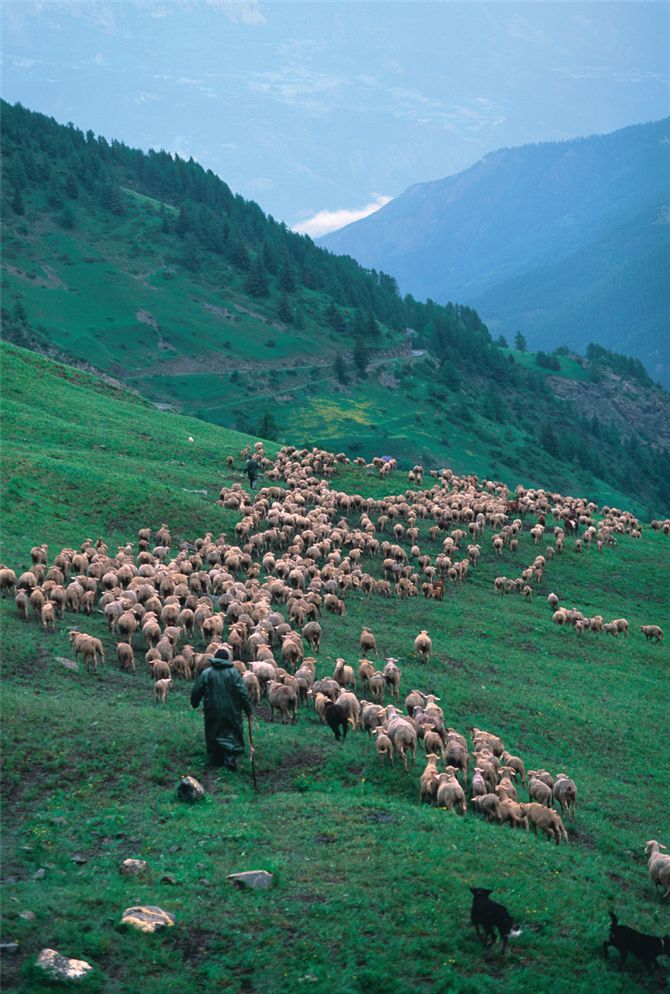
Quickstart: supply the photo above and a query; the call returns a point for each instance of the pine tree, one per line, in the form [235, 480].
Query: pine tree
[284, 312]
[17, 203]
[361, 357]
[335, 319]
[372, 329]
[520, 343]
[286, 280]
[257, 281]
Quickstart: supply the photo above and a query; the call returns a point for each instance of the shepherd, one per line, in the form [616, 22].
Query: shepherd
[225, 697]
[252, 471]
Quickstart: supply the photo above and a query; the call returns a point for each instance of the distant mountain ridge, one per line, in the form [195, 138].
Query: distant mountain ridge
[567, 242]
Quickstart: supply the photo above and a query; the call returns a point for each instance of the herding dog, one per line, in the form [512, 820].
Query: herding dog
[629, 940]
[489, 915]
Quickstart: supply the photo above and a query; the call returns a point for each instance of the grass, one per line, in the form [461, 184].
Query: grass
[371, 890]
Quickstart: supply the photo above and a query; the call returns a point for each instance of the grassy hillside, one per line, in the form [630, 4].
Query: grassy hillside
[149, 269]
[371, 889]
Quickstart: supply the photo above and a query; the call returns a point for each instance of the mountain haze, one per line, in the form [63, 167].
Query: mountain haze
[567, 242]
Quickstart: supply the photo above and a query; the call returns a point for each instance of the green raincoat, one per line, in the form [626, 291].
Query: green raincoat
[225, 695]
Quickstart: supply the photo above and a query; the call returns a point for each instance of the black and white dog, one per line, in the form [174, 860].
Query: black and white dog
[489, 916]
[628, 940]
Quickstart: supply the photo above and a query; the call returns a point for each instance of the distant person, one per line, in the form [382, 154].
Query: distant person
[226, 696]
[252, 468]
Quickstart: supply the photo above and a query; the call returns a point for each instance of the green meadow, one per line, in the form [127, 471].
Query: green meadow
[371, 889]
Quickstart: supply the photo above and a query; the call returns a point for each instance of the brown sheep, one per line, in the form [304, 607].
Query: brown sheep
[22, 603]
[450, 793]
[368, 643]
[48, 617]
[652, 632]
[284, 699]
[344, 674]
[125, 656]
[489, 805]
[392, 677]
[428, 782]
[565, 792]
[383, 745]
[545, 818]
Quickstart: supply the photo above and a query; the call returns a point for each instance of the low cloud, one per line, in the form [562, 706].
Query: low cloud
[324, 222]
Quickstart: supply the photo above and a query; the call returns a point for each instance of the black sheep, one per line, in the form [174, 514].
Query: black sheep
[337, 718]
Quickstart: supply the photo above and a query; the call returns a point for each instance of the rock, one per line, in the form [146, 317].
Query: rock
[9, 948]
[79, 859]
[133, 867]
[28, 916]
[61, 967]
[189, 789]
[167, 878]
[256, 879]
[69, 664]
[148, 918]
[39, 874]
[204, 882]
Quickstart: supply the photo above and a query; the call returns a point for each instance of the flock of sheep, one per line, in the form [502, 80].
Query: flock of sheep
[303, 546]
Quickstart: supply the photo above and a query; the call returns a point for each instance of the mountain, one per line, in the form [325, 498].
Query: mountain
[567, 242]
[149, 270]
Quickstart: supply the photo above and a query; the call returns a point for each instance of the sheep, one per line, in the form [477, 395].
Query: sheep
[545, 818]
[489, 805]
[365, 671]
[432, 742]
[491, 742]
[161, 688]
[621, 625]
[253, 686]
[423, 646]
[415, 699]
[282, 698]
[652, 632]
[428, 781]
[383, 745]
[392, 677]
[160, 669]
[539, 791]
[565, 792]
[378, 686]
[125, 656]
[89, 647]
[403, 736]
[478, 785]
[48, 617]
[22, 604]
[450, 793]
[344, 674]
[349, 702]
[457, 755]
[372, 716]
[312, 635]
[505, 788]
[7, 581]
[659, 865]
[511, 811]
[336, 719]
[368, 643]
[516, 764]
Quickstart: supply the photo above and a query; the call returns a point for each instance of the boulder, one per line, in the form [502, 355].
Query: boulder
[191, 790]
[69, 664]
[256, 879]
[133, 867]
[147, 918]
[59, 967]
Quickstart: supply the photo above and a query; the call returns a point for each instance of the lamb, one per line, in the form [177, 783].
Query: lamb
[565, 792]
[423, 646]
[659, 865]
[392, 677]
[652, 632]
[253, 686]
[450, 793]
[282, 698]
[478, 785]
[545, 818]
[161, 688]
[383, 745]
[125, 656]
